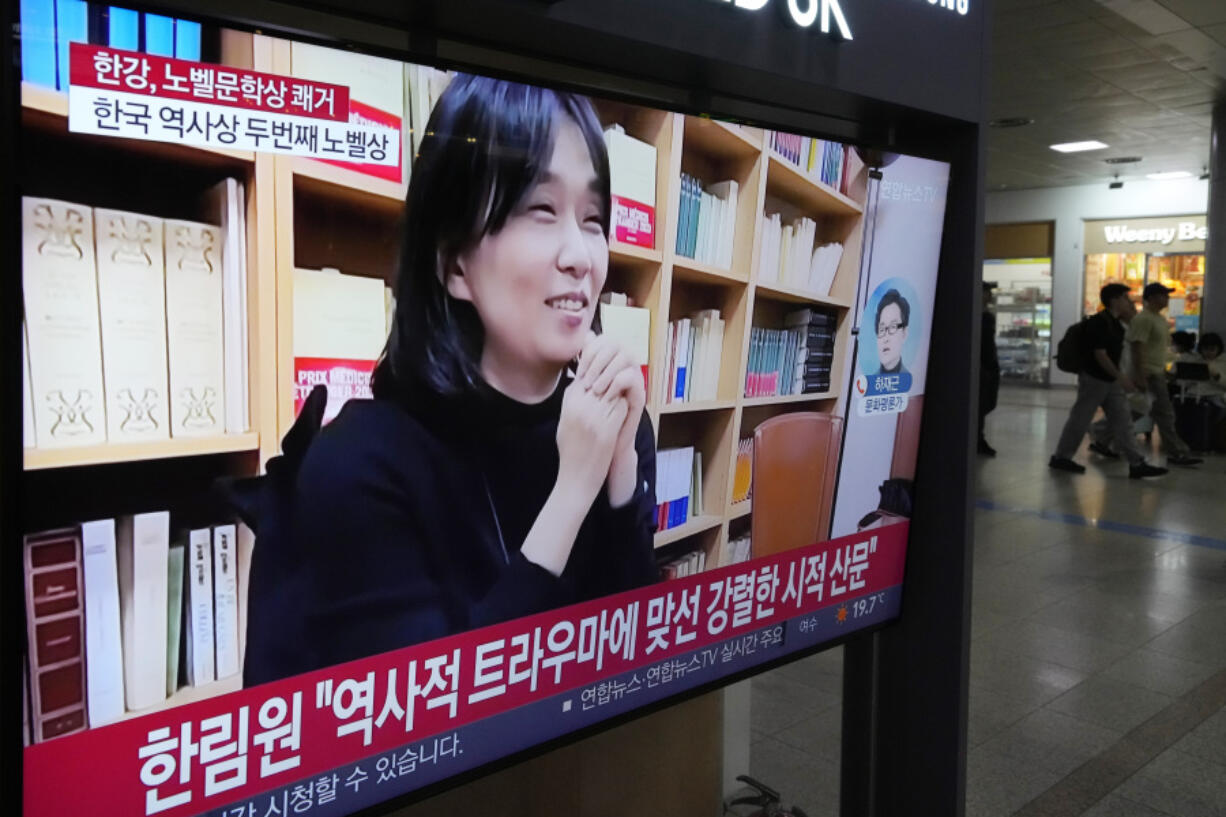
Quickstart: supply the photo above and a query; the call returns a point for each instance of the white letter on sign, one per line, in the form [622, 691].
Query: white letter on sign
[829, 7]
[752, 5]
[806, 18]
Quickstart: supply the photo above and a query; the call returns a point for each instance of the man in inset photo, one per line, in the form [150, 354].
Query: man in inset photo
[893, 315]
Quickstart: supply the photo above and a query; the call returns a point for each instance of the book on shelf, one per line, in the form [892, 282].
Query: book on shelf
[339, 332]
[226, 202]
[773, 357]
[814, 331]
[629, 325]
[195, 328]
[246, 544]
[695, 352]
[742, 477]
[142, 543]
[225, 600]
[790, 255]
[376, 93]
[103, 644]
[632, 176]
[690, 564]
[706, 222]
[175, 572]
[132, 304]
[60, 287]
[29, 437]
[675, 477]
[198, 609]
[820, 159]
[55, 632]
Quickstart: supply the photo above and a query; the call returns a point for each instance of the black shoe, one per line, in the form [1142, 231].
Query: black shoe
[985, 449]
[1184, 459]
[1103, 451]
[1145, 471]
[1064, 464]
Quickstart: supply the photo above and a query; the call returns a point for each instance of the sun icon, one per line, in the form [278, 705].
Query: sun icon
[842, 615]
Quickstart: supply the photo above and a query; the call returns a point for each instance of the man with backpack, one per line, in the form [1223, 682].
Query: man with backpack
[1092, 348]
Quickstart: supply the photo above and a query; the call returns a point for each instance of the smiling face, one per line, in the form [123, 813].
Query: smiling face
[536, 282]
[891, 336]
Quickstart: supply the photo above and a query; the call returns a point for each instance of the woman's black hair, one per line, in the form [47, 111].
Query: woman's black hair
[486, 145]
[1183, 340]
[895, 297]
[1210, 339]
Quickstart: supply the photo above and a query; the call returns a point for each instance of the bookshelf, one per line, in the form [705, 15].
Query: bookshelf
[306, 213]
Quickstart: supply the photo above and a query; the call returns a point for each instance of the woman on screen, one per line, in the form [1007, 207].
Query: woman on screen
[505, 465]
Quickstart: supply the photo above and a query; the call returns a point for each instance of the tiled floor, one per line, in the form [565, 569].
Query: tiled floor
[1098, 654]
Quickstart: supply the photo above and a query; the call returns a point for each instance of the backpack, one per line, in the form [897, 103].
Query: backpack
[1071, 352]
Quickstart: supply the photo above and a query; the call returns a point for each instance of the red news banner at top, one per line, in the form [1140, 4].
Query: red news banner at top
[131, 95]
[133, 72]
[205, 756]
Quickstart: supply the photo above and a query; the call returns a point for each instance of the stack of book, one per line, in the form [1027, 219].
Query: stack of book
[632, 177]
[48, 26]
[814, 331]
[822, 160]
[772, 359]
[629, 325]
[742, 475]
[735, 551]
[120, 616]
[678, 486]
[788, 255]
[690, 564]
[135, 326]
[695, 349]
[706, 220]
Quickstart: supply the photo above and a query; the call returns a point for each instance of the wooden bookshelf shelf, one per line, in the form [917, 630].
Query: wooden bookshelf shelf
[49, 109]
[348, 179]
[786, 399]
[722, 139]
[687, 269]
[706, 405]
[629, 253]
[696, 525]
[40, 458]
[780, 292]
[789, 181]
[191, 695]
[738, 509]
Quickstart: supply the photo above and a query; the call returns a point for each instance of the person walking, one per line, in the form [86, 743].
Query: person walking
[1149, 338]
[1102, 383]
[989, 368]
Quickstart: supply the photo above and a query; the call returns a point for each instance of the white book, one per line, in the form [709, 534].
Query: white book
[60, 287]
[132, 304]
[194, 328]
[103, 634]
[198, 608]
[224, 201]
[225, 599]
[716, 357]
[28, 434]
[244, 320]
[246, 545]
[630, 326]
[727, 191]
[143, 546]
[663, 393]
[632, 177]
[687, 359]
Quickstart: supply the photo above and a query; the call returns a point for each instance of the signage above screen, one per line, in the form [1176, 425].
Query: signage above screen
[807, 13]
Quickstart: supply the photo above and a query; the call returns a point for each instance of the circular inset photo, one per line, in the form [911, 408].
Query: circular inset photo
[891, 328]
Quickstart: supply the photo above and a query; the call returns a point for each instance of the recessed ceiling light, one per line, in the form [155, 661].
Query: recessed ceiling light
[1171, 174]
[1011, 122]
[1122, 160]
[1076, 147]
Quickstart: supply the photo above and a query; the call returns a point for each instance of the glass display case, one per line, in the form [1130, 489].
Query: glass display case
[1023, 333]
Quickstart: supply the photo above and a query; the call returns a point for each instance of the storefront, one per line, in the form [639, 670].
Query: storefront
[221, 208]
[1140, 251]
[1021, 300]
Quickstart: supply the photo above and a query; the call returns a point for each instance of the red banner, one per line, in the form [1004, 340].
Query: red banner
[134, 72]
[205, 755]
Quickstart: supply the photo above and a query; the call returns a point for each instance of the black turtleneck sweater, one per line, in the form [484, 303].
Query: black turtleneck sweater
[408, 522]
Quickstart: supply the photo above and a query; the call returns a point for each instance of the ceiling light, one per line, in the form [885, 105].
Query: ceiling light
[1076, 147]
[1167, 176]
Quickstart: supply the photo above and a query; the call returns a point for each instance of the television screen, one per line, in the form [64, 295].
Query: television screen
[383, 421]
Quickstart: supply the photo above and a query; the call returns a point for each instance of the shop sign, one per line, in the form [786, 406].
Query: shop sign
[1150, 235]
[806, 13]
